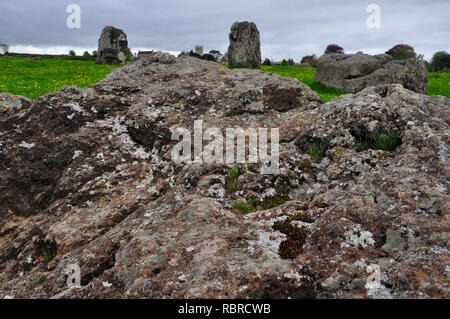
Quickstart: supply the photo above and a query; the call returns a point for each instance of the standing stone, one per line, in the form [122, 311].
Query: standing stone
[245, 45]
[113, 47]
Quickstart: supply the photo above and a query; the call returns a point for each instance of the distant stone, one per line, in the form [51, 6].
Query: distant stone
[354, 72]
[245, 45]
[113, 47]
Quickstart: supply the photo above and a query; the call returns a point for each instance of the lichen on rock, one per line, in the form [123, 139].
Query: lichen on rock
[98, 189]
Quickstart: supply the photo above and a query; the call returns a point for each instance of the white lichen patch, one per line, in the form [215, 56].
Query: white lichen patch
[26, 145]
[373, 286]
[76, 107]
[358, 238]
[76, 154]
[268, 243]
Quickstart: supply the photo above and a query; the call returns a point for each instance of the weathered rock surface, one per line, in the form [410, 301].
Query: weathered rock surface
[10, 104]
[86, 178]
[113, 47]
[354, 72]
[245, 45]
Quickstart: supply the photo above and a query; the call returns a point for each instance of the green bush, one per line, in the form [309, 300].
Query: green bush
[72, 53]
[440, 61]
[397, 47]
[401, 54]
[267, 62]
[334, 48]
[312, 60]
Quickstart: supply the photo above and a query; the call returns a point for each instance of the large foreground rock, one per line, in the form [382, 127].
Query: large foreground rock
[86, 178]
[113, 47]
[245, 45]
[354, 72]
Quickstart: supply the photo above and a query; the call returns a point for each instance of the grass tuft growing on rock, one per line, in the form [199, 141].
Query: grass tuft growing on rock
[47, 254]
[316, 150]
[253, 205]
[271, 201]
[243, 207]
[385, 141]
[232, 184]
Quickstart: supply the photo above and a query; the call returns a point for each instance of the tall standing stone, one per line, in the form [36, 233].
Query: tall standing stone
[113, 47]
[245, 45]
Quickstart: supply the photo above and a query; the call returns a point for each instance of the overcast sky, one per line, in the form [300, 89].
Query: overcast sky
[289, 28]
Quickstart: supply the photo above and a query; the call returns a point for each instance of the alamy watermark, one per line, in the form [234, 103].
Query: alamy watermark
[213, 152]
[73, 273]
[74, 19]
[374, 19]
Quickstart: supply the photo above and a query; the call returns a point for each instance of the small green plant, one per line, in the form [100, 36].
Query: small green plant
[232, 184]
[362, 146]
[385, 141]
[47, 254]
[243, 207]
[271, 201]
[316, 150]
[6, 204]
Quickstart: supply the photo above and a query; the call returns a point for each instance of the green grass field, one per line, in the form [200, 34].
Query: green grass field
[35, 78]
[439, 84]
[305, 75]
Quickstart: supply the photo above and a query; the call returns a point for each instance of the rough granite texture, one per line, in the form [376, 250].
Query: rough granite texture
[113, 47]
[86, 178]
[354, 72]
[245, 45]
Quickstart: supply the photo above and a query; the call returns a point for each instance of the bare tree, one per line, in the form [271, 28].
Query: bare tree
[4, 48]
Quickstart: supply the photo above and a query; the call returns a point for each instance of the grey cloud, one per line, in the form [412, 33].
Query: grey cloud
[289, 28]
